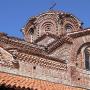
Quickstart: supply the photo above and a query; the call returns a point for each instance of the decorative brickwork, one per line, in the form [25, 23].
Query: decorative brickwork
[50, 57]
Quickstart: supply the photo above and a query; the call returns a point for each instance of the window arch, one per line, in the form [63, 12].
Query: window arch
[87, 58]
[68, 27]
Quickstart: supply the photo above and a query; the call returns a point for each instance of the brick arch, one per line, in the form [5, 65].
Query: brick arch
[78, 44]
[85, 44]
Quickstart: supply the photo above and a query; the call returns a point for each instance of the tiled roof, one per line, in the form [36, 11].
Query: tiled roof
[32, 48]
[25, 82]
[57, 41]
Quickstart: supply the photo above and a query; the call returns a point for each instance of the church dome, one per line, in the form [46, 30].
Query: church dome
[52, 21]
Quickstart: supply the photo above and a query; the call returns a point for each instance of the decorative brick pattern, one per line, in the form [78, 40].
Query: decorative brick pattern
[48, 54]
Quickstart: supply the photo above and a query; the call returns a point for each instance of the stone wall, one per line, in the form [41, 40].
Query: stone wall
[62, 52]
[72, 73]
[79, 75]
[35, 67]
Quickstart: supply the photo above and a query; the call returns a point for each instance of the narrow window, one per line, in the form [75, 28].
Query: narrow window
[87, 58]
[31, 31]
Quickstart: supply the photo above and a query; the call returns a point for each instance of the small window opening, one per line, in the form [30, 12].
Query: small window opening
[14, 56]
[31, 31]
[87, 58]
[34, 67]
[68, 27]
[78, 78]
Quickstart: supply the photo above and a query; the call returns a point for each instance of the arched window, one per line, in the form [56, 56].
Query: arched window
[68, 27]
[87, 58]
[31, 31]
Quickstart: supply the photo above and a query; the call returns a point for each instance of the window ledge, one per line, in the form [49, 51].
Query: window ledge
[86, 72]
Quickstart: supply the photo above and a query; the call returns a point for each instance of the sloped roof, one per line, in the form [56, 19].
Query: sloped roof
[57, 12]
[10, 80]
[80, 33]
[42, 51]
[55, 42]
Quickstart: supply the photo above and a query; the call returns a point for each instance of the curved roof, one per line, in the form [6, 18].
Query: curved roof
[57, 12]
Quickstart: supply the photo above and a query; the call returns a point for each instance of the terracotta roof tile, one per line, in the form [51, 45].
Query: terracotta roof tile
[25, 82]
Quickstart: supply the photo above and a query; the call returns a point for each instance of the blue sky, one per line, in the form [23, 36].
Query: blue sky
[15, 13]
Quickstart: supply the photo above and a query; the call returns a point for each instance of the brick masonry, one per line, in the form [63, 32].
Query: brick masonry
[64, 64]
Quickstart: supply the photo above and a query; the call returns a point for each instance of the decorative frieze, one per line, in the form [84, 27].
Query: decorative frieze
[41, 61]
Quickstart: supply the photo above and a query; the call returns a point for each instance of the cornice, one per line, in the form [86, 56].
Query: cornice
[79, 33]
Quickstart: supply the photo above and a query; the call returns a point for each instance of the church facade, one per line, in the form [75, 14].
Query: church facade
[54, 55]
